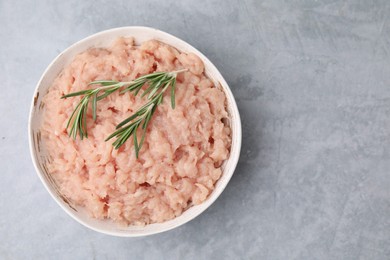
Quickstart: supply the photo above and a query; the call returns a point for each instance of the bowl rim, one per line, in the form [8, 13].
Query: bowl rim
[209, 201]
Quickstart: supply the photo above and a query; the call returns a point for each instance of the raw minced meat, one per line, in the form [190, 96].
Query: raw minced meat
[184, 147]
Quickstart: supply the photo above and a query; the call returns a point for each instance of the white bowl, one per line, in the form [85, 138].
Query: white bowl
[104, 39]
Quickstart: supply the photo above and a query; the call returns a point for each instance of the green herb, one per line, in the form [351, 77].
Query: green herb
[79, 115]
[158, 83]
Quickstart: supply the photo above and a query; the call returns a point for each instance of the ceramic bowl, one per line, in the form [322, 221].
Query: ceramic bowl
[39, 157]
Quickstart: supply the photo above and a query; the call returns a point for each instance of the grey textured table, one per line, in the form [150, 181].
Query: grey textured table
[312, 82]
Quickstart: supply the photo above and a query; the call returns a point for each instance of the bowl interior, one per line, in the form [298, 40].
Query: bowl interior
[40, 158]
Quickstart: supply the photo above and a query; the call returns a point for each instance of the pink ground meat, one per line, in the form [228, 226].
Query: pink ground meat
[184, 147]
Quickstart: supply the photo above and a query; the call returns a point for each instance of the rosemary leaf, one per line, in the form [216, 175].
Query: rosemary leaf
[173, 86]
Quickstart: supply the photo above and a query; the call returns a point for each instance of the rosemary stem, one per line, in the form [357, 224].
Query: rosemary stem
[174, 73]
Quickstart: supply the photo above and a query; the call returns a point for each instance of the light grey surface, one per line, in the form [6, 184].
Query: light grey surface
[312, 82]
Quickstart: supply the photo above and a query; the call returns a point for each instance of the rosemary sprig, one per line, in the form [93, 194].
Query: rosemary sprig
[158, 83]
[79, 115]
